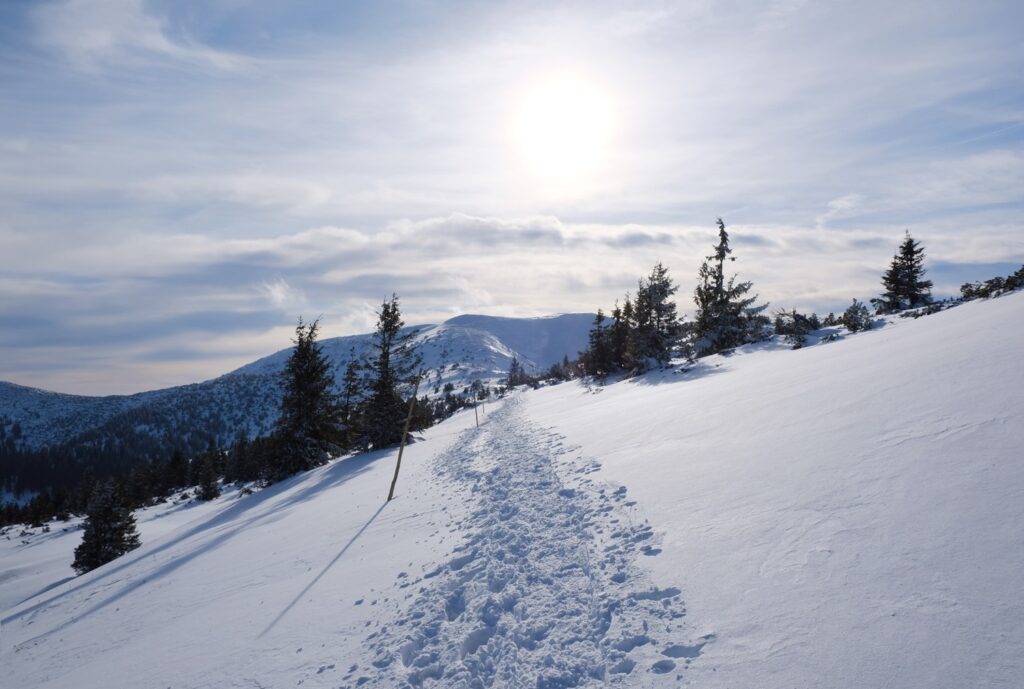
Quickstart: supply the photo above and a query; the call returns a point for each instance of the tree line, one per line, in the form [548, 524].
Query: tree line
[644, 331]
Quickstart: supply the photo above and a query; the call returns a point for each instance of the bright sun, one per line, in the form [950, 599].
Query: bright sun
[563, 128]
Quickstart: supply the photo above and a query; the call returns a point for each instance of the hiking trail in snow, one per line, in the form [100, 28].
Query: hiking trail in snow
[545, 592]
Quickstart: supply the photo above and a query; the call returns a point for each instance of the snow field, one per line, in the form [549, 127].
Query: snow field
[845, 515]
[849, 514]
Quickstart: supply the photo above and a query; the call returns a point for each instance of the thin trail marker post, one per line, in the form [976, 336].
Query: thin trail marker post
[476, 415]
[405, 435]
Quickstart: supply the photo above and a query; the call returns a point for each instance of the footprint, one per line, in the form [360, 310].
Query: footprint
[663, 666]
[684, 651]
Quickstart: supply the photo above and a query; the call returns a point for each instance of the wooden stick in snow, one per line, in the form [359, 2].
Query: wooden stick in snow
[405, 434]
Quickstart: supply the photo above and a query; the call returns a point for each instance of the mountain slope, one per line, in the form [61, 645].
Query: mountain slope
[459, 351]
[842, 515]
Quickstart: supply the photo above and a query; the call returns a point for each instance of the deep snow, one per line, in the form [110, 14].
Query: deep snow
[850, 514]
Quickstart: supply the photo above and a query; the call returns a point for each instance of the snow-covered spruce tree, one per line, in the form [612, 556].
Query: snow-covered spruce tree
[665, 330]
[352, 394]
[795, 327]
[206, 473]
[904, 283]
[651, 326]
[856, 317]
[618, 334]
[726, 317]
[395, 363]
[516, 374]
[307, 429]
[597, 359]
[108, 531]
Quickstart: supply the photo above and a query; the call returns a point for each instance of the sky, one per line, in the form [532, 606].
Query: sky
[179, 181]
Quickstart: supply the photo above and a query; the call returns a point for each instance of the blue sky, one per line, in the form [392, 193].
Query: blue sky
[180, 180]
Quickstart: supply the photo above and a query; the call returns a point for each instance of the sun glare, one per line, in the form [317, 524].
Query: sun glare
[563, 128]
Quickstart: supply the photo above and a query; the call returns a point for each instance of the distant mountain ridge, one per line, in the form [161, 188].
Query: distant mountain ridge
[244, 401]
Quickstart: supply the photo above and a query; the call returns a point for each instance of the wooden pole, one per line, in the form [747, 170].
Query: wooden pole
[476, 415]
[405, 434]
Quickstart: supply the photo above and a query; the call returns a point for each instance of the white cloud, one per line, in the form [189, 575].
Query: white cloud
[95, 33]
[282, 295]
[841, 207]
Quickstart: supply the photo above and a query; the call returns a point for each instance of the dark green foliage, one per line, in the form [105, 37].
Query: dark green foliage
[904, 283]
[350, 401]
[177, 470]
[726, 317]
[657, 328]
[645, 331]
[205, 469]
[109, 529]
[598, 359]
[795, 327]
[992, 287]
[619, 334]
[242, 462]
[563, 370]
[517, 375]
[856, 317]
[308, 428]
[395, 364]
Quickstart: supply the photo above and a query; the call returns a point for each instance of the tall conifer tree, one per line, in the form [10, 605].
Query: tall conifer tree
[394, 364]
[108, 531]
[308, 428]
[726, 317]
[598, 359]
[903, 283]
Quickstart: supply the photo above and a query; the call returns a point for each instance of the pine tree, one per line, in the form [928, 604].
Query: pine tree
[598, 360]
[352, 393]
[108, 531]
[516, 374]
[207, 475]
[725, 316]
[664, 327]
[177, 470]
[618, 334]
[795, 327]
[395, 364]
[856, 317]
[307, 429]
[904, 283]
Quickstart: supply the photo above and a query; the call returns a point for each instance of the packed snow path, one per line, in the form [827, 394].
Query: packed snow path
[545, 591]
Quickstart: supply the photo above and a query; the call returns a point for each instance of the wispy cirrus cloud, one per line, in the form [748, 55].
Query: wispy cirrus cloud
[96, 34]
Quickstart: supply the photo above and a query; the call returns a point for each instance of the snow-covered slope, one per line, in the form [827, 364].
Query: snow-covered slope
[844, 515]
[37, 417]
[459, 351]
[464, 348]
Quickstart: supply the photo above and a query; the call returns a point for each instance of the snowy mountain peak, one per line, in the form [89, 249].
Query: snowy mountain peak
[459, 351]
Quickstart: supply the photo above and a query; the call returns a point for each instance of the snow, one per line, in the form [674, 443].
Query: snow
[459, 351]
[847, 514]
